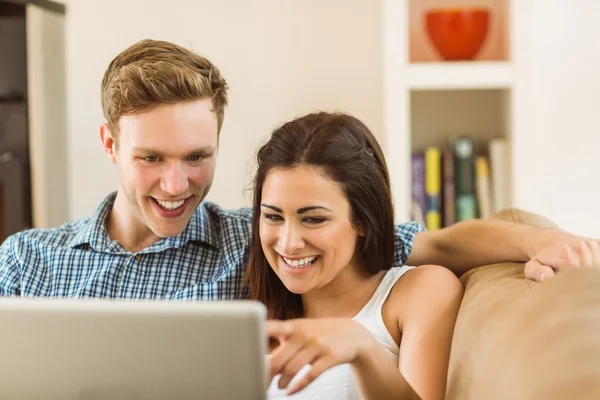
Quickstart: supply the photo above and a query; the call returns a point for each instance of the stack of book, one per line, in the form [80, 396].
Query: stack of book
[455, 183]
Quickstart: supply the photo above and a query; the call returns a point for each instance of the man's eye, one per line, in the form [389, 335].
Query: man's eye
[151, 159]
[196, 158]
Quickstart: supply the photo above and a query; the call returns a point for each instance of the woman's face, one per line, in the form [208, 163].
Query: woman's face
[305, 228]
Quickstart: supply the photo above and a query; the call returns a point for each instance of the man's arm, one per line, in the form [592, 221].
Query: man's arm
[403, 241]
[474, 243]
[9, 269]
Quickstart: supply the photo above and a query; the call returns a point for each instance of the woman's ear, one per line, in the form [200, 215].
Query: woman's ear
[359, 230]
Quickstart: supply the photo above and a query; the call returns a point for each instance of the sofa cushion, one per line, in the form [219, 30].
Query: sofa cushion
[490, 294]
[546, 344]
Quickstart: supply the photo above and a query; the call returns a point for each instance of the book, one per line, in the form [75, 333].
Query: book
[433, 184]
[484, 198]
[448, 195]
[500, 173]
[464, 172]
[418, 185]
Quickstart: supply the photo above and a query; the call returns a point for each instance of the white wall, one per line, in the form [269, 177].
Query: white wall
[286, 57]
[281, 58]
[557, 171]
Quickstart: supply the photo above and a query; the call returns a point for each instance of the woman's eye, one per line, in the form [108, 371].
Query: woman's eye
[314, 220]
[273, 217]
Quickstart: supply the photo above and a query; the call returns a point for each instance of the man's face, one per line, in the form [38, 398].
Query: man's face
[166, 161]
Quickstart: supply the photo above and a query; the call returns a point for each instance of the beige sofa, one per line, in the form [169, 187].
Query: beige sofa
[518, 339]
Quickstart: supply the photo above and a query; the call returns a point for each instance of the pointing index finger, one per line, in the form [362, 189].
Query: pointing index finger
[276, 328]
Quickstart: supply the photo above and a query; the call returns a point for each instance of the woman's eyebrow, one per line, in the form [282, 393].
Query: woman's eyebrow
[279, 210]
[305, 209]
[299, 211]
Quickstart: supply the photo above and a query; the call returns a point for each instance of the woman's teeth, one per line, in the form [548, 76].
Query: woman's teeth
[301, 262]
[170, 205]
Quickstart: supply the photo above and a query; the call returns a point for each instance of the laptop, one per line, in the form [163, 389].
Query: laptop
[135, 350]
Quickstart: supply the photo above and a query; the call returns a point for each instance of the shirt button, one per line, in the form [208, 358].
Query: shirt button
[138, 257]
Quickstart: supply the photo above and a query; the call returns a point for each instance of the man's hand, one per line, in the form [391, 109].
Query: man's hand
[563, 251]
[471, 244]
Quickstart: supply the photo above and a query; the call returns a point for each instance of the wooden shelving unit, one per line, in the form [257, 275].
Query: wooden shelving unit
[33, 128]
[428, 101]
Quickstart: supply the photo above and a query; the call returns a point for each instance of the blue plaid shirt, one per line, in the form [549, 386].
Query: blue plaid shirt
[205, 262]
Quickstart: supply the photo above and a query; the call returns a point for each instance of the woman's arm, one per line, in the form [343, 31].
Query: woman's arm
[378, 377]
[327, 342]
[426, 301]
[424, 306]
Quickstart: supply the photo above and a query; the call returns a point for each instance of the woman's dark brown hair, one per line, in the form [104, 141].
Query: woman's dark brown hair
[344, 150]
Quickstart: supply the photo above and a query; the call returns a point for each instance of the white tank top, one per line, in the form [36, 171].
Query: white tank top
[338, 382]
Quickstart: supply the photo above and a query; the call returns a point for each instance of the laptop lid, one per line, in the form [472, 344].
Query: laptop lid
[135, 350]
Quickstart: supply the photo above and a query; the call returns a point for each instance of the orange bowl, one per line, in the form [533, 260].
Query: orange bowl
[458, 33]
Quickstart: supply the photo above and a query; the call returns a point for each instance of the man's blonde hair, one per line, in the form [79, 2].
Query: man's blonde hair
[150, 73]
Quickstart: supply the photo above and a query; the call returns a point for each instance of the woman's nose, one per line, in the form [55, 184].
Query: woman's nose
[290, 239]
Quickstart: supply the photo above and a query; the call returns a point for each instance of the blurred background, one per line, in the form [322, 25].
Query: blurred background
[479, 105]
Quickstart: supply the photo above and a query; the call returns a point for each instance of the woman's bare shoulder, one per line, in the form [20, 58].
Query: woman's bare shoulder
[421, 290]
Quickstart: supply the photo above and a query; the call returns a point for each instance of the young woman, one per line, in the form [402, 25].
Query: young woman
[344, 324]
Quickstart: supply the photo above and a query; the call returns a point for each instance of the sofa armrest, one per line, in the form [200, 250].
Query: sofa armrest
[545, 344]
[489, 291]
[519, 339]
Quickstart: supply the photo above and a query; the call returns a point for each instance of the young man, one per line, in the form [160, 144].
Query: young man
[155, 238]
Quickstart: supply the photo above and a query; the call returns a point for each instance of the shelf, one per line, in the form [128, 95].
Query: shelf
[460, 75]
[439, 115]
[437, 119]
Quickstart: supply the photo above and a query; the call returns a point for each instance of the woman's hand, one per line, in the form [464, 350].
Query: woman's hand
[323, 343]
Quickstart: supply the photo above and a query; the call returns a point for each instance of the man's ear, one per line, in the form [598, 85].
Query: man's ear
[108, 143]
